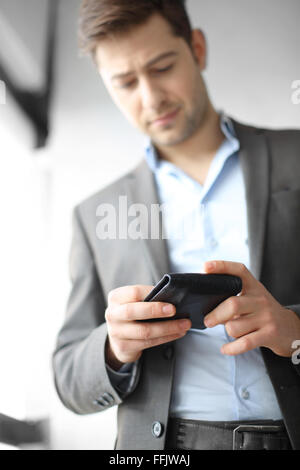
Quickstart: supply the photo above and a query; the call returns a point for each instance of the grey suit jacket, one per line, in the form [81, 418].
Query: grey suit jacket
[271, 167]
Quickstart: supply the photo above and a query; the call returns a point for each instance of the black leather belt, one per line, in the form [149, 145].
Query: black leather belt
[230, 435]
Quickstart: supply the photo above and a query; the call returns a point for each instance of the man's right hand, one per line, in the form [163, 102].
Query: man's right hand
[127, 338]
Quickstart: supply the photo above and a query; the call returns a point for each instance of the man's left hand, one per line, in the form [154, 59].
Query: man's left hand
[254, 317]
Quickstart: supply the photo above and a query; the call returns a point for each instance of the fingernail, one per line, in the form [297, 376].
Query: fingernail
[168, 309]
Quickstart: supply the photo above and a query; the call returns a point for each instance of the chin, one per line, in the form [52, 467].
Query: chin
[169, 141]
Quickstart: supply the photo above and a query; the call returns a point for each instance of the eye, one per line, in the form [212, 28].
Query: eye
[164, 69]
[127, 84]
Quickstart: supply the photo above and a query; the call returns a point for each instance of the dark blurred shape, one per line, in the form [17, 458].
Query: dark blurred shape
[35, 103]
[23, 433]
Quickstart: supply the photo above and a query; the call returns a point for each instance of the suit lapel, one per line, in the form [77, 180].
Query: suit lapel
[142, 190]
[255, 166]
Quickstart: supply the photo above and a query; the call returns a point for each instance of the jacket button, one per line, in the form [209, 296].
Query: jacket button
[105, 400]
[168, 352]
[108, 398]
[157, 429]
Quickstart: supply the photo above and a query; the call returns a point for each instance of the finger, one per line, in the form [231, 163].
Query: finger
[146, 331]
[126, 294]
[231, 307]
[243, 325]
[231, 267]
[140, 311]
[139, 345]
[242, 344]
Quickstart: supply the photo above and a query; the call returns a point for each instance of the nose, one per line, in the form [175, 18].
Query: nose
[152, 96]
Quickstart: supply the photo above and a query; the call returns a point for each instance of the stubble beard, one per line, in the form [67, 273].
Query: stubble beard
[192, 122]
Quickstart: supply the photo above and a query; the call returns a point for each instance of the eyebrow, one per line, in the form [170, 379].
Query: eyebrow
[151, 62]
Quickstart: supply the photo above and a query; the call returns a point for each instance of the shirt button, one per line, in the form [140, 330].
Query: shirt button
[168, 352]
[213, 242]
[245, 394]
[157, 429]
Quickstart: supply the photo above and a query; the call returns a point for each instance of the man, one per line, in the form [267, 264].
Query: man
[235, 384]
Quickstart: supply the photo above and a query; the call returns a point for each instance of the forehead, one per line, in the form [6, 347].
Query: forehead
[133, 49]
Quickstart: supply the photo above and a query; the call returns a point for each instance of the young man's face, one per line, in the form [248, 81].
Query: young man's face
[155, 80]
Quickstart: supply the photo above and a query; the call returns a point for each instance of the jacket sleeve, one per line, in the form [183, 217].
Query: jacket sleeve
[82, 379]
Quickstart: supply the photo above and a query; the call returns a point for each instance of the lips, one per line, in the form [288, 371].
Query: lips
[166, 119]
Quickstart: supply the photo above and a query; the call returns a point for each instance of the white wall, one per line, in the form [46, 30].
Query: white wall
[253, 60]
[253, 57]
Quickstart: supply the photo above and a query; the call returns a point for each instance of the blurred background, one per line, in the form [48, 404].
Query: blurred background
[63, 139]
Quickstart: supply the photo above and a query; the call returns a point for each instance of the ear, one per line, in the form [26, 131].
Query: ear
[199, 48]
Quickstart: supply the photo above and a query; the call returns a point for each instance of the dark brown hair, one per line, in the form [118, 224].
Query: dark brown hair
[101, 18]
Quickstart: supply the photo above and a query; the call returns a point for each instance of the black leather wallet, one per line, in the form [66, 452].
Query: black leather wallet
[194, 295]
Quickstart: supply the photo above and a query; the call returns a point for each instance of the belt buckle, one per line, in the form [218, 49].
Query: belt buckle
[248, 428]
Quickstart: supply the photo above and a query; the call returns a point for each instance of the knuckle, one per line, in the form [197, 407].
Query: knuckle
[111, 296]
[110, 314]
[114, 332]
[233, 303]
[143, 332]
[126, 312]
[156, 309]
[230, 328]
[263, 301]
[269, 318]
[134, 293]
[246, 343]
[272, 329]
[107, 315]
[267, 314]
[243, 268]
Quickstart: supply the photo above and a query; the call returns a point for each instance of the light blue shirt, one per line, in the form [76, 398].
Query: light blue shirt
[207, 384]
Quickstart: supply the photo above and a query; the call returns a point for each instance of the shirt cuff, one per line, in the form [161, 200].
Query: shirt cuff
[121, 379]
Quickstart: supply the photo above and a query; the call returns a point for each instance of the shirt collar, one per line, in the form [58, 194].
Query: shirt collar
[227, 128]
